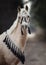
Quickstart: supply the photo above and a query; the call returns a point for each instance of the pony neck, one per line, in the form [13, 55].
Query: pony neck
[14, 26]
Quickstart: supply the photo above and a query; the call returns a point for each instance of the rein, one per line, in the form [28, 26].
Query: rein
[14, 49]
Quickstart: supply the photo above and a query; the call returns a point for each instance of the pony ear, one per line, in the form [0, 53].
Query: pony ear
[19, 9]
[26, 7]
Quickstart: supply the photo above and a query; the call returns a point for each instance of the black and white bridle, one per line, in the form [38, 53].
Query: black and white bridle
[27, 26]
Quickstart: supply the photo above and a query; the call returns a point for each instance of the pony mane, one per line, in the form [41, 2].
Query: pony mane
[11, 29]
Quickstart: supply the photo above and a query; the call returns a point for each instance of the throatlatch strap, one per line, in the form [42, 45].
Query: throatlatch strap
[15, 50]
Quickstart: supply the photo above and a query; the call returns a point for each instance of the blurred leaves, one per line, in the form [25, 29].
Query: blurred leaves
[39, 12]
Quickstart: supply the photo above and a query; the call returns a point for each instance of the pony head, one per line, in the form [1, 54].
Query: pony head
[24, 18]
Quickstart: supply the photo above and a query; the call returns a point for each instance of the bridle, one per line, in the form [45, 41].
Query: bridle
[27, 26]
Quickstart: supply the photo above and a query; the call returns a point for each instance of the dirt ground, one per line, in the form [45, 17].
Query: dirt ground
[35, 53]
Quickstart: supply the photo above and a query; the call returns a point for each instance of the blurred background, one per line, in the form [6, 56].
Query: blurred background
[35, 51]
[8, 13]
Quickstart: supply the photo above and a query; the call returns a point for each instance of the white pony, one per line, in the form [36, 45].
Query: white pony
[17, 35]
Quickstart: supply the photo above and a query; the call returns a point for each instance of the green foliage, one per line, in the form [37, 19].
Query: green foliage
[39, 12]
